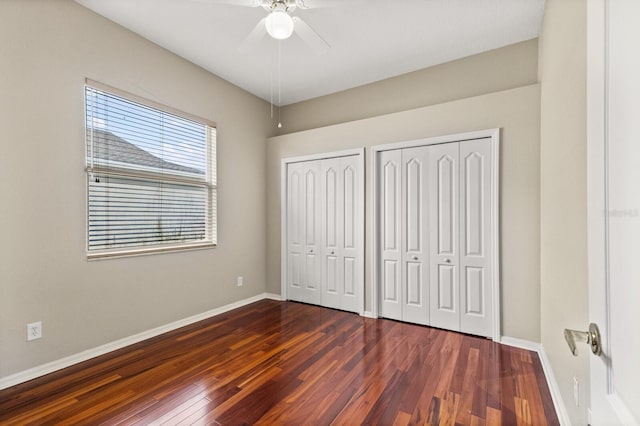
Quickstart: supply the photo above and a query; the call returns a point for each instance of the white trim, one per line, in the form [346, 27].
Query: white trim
[459, 137]
[495, 223]
[50, 367]
[283, 230]
[360, 153]
[554, 389]
[273, 296]
[323, 155]
[494, 135]
[368, 314]
[521, 343]
[374, 235]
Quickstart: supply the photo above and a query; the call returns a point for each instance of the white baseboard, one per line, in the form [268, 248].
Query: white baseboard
[368, 314]
[273, 296]
[50, 367]
[521, 343]
[558, 402]
[554, 389]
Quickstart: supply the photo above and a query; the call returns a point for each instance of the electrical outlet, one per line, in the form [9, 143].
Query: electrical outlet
[576, 391]
[240, 281]
[34, 330]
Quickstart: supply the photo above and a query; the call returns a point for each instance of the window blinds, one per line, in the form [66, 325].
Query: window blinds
[151, 176]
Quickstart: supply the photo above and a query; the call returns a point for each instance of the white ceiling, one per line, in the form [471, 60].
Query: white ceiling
[370, 41]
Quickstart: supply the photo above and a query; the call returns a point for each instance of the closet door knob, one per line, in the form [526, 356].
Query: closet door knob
[332, 252]
[415, 257]
[448, 260]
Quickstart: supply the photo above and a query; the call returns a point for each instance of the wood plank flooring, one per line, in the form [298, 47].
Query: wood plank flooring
[289, 363]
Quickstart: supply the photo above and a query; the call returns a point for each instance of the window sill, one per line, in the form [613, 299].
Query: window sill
[117, 253]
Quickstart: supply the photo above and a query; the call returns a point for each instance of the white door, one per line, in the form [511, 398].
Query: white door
[351, 211]
[304, 278]
[332, 274]
[444, 226]
[414, 227]
[476, 301]
[614, 208]
[341, 192]
[390, 236]
[324, 226]
[404, 234]
[460, 236]
[435, 235]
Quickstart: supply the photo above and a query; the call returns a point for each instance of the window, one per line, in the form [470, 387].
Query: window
[151, 176]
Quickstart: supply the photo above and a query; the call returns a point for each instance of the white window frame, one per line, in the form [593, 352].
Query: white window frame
[210, 185]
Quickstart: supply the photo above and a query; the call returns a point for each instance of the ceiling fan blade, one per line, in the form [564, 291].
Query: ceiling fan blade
[309, 36]
[254, 38]
[246, 3]
[315, 4]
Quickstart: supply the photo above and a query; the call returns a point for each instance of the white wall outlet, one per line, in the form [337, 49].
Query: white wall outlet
[34, 330]
[240, 281]
[576, 391]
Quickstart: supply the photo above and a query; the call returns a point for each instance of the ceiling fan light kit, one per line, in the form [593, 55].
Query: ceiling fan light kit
[279, 24]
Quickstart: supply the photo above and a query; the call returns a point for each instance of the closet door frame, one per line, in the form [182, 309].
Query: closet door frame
[494, 136]
[359, 153]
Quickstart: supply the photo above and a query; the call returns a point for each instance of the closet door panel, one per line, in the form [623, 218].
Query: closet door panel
[444, 235]
[446, 190]
[390, 184]
[296, 231]
[331, 232]
[350, 277]
[474, 290]
[415, 237]
[475, 241]
[447, 290]
[312, 283]
[351, 266]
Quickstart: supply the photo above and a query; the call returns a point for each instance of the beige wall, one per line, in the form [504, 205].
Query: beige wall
[563, 202]
[516, 112]
[47, 49]
[504, 68]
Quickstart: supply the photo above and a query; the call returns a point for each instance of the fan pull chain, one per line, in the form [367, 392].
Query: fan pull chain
[271, 82]
[279, 82]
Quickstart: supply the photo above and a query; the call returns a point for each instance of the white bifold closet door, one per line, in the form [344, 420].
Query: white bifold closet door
[476, 272]
[341, 265]
[404, 235]
[444, 224]
[435, 228]
[324, 232]
[303, 232]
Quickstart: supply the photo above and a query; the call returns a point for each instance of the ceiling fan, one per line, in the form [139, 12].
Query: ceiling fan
[280, 24]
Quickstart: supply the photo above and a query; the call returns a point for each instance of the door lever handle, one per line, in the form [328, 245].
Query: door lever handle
[591, 338]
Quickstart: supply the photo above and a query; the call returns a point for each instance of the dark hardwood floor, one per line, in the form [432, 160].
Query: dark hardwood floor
[290, 363]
